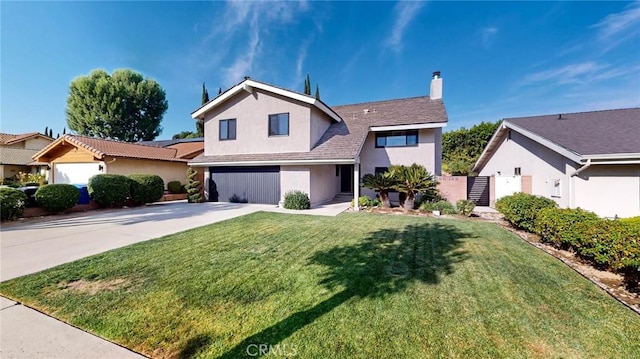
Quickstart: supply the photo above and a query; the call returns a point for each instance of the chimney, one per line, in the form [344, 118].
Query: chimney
[436, 86]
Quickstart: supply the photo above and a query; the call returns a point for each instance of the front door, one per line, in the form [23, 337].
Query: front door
[346, 178]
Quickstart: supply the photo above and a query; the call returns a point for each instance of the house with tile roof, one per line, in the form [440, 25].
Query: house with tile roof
[262, 141]
[74, 159]
[16, 152]
[589, 160]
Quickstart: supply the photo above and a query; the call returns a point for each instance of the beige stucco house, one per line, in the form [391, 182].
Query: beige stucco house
[16, 152]
[262, 141]
[589, 160]
[74, 159]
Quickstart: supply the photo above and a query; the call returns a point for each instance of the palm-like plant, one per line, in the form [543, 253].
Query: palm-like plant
[412, 180]
[382, 183]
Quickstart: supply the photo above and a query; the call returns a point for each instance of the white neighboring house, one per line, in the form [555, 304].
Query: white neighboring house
[589, 160]
[262, 141]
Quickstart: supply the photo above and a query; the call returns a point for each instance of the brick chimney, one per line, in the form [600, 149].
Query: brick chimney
[436, 86]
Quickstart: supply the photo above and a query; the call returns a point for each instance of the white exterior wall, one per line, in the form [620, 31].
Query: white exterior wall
[251, 112]
[427, 153]
[542, 164]
[294, 178]
[609, 190]
[325, 185]
[320, 122]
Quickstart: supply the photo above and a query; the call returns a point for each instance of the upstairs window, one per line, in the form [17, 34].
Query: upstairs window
[228, 129]
[397, 139]
[279, 124]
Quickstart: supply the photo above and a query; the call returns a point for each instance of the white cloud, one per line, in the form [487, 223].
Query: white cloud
[405, 12]
[566, 74]
[614, 29]
[487, 35]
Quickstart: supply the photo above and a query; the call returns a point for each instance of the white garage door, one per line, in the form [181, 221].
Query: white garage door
[75, 173]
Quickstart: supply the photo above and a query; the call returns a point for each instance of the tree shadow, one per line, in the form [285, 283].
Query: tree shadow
[194, 346]
[385, 262]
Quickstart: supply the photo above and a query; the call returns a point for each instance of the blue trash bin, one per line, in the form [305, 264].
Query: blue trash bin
[84, 194]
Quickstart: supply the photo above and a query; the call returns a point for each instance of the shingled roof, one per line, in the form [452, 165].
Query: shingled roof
[102, 148]
[16, 156]
[343, 140]
[588, 133]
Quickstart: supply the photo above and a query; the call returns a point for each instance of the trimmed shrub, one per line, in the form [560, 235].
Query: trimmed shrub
[366, 201]
[12, 203]
[560, 225]
[465, 206]
[108, 189]
[521, 209]
[296, 200]
[146, 188]
[175, 187]
[57, 197]
[193, 188]
[445, 207]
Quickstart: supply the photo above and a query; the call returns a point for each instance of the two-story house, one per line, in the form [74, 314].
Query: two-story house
[262, 141]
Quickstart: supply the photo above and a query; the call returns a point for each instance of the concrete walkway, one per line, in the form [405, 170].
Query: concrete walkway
[33, 245]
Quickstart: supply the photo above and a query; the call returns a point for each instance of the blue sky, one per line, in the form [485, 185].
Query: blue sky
[498, 59]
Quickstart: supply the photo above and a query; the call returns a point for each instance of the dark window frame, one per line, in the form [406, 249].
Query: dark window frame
[277, 116]
[517, 171]
[235, 128]
[406, 133]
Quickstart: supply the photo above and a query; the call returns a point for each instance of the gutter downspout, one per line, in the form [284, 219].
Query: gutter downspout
[571, 187]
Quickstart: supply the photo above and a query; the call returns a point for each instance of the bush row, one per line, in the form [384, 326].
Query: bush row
[609, 244]
[113, 190]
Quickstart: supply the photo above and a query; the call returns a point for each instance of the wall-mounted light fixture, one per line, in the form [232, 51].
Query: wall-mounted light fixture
[48, 168]
[100, 168]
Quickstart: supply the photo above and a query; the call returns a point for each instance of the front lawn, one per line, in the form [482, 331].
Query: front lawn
[354, 286]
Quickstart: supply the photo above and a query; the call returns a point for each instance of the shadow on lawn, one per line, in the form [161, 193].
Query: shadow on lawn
[384, 263]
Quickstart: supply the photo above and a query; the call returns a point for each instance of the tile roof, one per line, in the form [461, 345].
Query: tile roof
[102, 148]
[16, 156]
[588, 133]
[188, 149]
[7, 138]
[343, 140]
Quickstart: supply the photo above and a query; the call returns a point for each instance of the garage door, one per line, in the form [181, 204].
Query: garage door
[245, 184]
[75, 173]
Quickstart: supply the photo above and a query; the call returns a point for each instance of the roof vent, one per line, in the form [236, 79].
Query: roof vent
[247, 77]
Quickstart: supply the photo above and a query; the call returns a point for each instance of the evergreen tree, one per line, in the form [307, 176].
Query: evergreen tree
[219, 91]
[317, 92]
[64, 130]
[307, 86]
[193, 187]
[205, 94]
[50, 133]
[46, 131]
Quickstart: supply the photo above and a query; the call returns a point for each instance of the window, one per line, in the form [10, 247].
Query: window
[279, 124]
[380, 170]
[517, 171]
[397, 139]
[228, 129]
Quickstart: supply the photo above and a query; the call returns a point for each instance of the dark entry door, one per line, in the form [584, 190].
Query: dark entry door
[247, 184]
[346, 178]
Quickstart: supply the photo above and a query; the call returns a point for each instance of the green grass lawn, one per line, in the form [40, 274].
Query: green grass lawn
[353, 286]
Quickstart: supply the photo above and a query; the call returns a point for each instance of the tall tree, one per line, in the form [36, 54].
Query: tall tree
[46, 130]
[317, 92]
[307, 86]
[50, 132]
[64, 130]
[200, 123]
[205, 94]
[462, 147]
[219, 90]
[122, 106]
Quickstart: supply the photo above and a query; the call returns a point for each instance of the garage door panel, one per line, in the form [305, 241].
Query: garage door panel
[75, 173]
[247, 184]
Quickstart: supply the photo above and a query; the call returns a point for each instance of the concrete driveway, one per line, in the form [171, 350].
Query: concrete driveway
[36, 244]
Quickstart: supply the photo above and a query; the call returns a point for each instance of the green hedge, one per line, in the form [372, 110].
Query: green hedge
[366, 201]
[560, 225]
[296, 200]
[12, 203]
[175, 187]
[146, 188]
[57, 197]
[521, 209]
[108, 189]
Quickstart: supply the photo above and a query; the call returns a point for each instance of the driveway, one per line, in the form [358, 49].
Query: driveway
[35, 245]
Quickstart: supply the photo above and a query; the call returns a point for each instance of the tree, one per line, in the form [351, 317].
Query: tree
[317, 92]
[46, 130]
[205, 94]
[123, 106]
[200, 123]
[462, 147]
[413, 180]
[219, 91]
[193, 187]
[50, 133]
[185, 134]
[382, 183]
[307, 86]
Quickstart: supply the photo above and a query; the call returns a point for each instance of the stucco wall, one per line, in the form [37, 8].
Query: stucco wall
[542, 164]
[320, 122]
[169, 171]
[10, 171]
[294, 178]
[453, 188]
[325, 185]
[37, 143]
[251, 112]
[609, 190]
